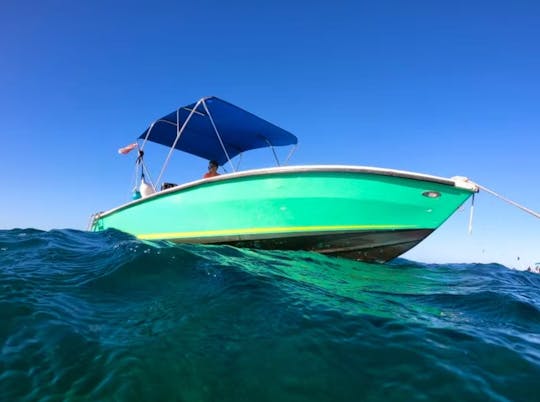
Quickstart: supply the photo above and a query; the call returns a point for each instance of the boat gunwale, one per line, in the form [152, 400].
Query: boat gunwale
[289, 170]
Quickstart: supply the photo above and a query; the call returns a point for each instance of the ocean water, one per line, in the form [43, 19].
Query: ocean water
[105, 317]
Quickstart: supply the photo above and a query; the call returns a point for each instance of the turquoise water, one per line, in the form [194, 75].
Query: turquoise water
[104, 317]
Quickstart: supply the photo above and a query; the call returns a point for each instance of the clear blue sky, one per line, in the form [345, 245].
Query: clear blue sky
[444, 88]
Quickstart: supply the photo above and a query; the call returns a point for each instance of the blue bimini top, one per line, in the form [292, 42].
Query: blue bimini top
[217, 130]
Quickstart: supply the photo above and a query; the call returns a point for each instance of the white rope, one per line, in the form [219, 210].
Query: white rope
[471, 215]
[135, 178]
[530, 211]
[147, 174]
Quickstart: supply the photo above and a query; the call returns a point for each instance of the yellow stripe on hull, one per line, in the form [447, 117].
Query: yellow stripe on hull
[270, 230]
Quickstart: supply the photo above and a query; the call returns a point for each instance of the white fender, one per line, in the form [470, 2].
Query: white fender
[146, 189]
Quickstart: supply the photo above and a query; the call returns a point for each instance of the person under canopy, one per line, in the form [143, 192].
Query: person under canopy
[212, 170]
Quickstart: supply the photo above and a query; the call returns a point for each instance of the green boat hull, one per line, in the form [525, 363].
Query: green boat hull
[360, 213]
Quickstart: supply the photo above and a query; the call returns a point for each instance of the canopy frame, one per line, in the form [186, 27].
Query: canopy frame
[202, 109]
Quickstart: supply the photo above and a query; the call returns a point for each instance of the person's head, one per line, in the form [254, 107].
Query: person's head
[212, 165]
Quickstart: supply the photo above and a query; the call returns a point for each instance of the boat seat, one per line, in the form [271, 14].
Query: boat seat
[165, 186]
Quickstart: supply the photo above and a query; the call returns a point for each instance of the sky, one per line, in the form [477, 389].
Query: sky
[442, 88]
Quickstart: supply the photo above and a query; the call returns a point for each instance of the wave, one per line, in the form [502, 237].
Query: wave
[106, 316]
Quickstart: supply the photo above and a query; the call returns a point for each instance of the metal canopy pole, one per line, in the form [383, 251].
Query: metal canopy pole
[178, 134]
[141, 148]
[150, 130]
[272, 148]
[217, 134]
[240, 156]
[291, 153]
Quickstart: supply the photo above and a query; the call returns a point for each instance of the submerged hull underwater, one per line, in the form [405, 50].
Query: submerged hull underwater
[361, 213]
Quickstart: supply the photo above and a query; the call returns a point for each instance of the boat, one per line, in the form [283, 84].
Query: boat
[357, 212]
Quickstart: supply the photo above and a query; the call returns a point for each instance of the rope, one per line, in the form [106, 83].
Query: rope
[530, 211]
[471, 215]
[139, 163]
[150, 181]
